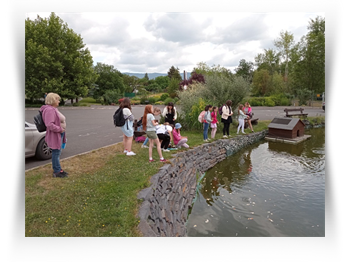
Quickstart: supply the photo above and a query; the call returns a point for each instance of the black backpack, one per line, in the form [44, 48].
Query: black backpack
[39, 122]
[118, 117]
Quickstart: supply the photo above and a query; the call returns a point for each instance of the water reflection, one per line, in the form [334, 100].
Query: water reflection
[267, 189]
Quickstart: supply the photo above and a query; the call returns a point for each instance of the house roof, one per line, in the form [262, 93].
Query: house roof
[285, 123]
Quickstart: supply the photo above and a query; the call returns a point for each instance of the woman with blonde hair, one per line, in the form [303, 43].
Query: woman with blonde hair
[241, 117]
[55, 123]
[248, 111]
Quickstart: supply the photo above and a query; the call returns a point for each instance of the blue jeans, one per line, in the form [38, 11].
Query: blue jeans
[146, 141]
[56, 166]
[205, 132]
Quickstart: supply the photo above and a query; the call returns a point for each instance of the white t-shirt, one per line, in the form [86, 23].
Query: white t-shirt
[150, 126]
[161, 129]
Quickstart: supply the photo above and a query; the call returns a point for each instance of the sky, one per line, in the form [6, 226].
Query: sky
[147, 42]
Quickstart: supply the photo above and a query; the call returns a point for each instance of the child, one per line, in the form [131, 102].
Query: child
[156, 112]
[149, 123]
[207, 122]
[248, 111]
[241, 117]
[178, 139]
[213, 124]
[128, 130]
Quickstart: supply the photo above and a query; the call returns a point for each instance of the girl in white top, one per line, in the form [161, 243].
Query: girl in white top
[241, 117]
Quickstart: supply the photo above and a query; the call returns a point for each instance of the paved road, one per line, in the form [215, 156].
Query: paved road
[89, 128]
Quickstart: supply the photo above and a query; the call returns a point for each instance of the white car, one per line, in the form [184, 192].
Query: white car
[35, 144]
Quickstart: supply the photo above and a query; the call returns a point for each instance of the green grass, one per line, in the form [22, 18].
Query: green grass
[100, 196]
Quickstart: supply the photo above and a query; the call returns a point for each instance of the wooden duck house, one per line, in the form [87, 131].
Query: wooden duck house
[286, 127]
[286, 130]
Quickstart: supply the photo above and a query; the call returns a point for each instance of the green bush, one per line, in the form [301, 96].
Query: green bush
[168, 100]
[164, 96]
[280, 100]
[269, 102]
[152, 100]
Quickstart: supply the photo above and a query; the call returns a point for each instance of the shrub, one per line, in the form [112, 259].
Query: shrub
[151, 100]
[111, 96]
[168, 100]
[269, 102]
[164, 96]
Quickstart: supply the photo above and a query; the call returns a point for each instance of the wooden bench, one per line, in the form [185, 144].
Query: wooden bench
[300, 110]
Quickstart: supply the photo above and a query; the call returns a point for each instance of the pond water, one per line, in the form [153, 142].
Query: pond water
[266, 189]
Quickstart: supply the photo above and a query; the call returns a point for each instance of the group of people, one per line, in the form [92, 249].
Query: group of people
[159, 135]
[210, 118]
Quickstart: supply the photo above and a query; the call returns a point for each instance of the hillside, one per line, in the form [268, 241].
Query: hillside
[153, 75]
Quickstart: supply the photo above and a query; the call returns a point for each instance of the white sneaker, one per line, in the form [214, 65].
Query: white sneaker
[125, 151]
[130, 153]
[144, 146]
[224, 137]
[165, 150]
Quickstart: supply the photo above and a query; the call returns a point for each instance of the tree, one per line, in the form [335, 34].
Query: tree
[108, 79]
[174, 73]
[261, 81]
[162, 81]
[56, 60]
[195, 78]
[130, 83]
[146, 77]
[245, 69]
[309, 70]
[173, 87]
[285, 43]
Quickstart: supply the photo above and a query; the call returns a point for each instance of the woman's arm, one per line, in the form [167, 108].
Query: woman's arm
[175, 114]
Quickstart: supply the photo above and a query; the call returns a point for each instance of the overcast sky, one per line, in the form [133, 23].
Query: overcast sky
[153, 42]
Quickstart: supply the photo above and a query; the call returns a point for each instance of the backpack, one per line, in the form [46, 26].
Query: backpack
[140, 139]
[201, 117]
[139, 123]
[39, 122]
[118, 117]
[220, 110]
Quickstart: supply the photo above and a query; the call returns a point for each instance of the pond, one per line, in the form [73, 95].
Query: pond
[266, 189]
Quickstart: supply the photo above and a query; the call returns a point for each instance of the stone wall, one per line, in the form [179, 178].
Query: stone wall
[166, 203]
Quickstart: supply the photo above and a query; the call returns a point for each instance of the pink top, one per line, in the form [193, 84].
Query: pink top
[52, 121]
[176, 136]
[213, 117]
[249, 109]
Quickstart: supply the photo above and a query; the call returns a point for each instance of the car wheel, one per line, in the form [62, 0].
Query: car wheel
[42, 150]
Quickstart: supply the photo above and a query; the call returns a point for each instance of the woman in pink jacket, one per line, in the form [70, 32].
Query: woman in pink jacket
[55, 123]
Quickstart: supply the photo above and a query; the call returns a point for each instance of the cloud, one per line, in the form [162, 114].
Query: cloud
[180, 28]
[153, 42]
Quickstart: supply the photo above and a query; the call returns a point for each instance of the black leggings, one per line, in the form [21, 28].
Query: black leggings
[165, 140]
[226, 128]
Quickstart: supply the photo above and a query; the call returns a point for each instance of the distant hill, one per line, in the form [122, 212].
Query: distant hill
[153, 75]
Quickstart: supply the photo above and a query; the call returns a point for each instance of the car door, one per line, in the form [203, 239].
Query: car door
[29, 141]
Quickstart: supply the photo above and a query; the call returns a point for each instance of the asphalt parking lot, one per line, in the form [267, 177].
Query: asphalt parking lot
[90, 128]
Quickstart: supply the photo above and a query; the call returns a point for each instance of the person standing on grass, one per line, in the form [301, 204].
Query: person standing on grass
[127, 128]
[149, 123]
[207, 122]
[55, 123]
[169, 113]
[226, 118]
[213, 124]
[241, 117]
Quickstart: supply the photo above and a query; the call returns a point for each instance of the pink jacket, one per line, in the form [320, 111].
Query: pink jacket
[53, 127]
[176, 136]
[213, 117]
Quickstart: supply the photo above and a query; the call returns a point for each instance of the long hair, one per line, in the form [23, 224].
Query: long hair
[240, 107]
[126, 103]
[228, 103]
[172, 107]
[148, 110]
[207, 107]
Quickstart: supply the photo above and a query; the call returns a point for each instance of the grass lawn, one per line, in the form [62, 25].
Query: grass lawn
[100, 196]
